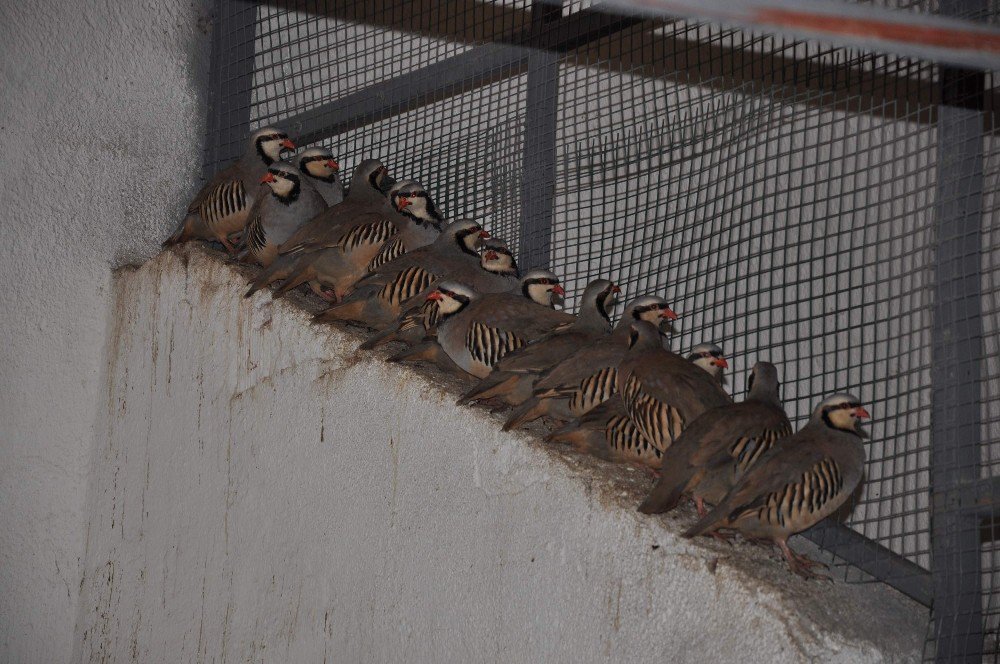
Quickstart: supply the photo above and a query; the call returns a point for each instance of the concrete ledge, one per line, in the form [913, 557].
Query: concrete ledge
[265, 493]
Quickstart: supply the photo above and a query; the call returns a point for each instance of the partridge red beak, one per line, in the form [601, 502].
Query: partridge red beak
[721, 362]
[402, 202]
[331, 164]
[558, 290]
[668, 314]
[484, 235]
[434, 296]
[268, 177]
[861, 412]
[287, 143]
[491, 255]
[616, 290]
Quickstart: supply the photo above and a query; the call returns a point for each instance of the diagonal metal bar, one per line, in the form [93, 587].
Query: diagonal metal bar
[512, 55]
[440, 80]
[872, 558]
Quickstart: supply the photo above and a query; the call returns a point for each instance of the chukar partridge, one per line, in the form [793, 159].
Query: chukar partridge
[476, 330]
[220, 209]
[661, 391]
[380, 297]
[606, 431]
[802, 480]
[515, 375]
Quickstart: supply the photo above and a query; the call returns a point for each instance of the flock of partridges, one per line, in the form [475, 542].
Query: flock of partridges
[452, 295]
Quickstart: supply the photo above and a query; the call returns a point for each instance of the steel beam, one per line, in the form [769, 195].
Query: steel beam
[538, 172]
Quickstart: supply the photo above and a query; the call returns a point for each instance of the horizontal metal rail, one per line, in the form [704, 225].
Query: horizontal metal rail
[980, 498]
[920, 35]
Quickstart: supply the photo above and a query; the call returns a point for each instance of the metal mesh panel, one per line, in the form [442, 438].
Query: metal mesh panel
[787, 197]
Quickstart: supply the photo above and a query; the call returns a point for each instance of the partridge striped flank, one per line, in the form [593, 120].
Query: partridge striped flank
[659, 422]
[391, 251]
[626, 439]
[367, 234]
[406, 284]
[593, 390]
[748, 449]
[818, 486]
[226, 200]
[721, 445]
[489, 344]
[256, 239]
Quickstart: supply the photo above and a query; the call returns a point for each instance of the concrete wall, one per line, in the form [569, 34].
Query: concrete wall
[267, 494]
[101, 125]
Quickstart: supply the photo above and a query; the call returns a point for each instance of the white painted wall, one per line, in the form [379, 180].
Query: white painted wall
[101, 126]
[267, 494]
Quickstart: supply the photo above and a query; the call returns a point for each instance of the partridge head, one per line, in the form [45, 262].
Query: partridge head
[710, 357]
[321, 169]
[413, 201]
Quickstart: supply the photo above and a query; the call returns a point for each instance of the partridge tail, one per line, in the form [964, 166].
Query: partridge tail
[529, 411]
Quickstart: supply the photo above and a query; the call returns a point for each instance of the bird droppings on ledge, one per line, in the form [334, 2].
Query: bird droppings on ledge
[295, 483]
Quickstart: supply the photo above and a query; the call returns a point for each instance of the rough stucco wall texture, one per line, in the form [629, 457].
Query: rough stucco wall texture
[101, 126]
[264, 493]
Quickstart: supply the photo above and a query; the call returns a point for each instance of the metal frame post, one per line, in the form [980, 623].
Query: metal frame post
[957, 348]
[538, 171]
[231, 81]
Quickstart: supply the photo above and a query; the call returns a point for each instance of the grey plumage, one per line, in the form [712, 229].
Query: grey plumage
[419, 321]
[368, 242]
[331, 251]
[514, 377]
[606, 431]
[221, 208]
[275, 215]
[477, 330]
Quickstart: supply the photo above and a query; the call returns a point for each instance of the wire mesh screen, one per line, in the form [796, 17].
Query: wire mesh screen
[790, 199]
